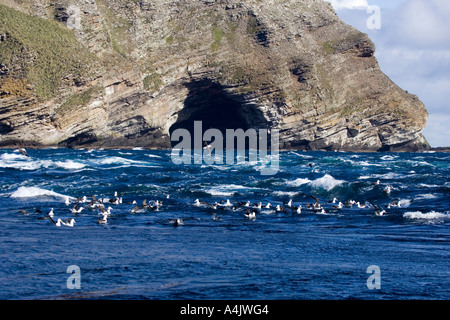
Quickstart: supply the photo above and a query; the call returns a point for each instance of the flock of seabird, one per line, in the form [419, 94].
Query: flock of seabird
[104, 207]
[248, 209]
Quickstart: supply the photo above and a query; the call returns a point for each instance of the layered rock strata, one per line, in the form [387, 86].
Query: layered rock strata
[127, 73]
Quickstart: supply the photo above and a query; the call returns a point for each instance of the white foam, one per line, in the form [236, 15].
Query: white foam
[120, 161]
[115, 160]
[429, 185]
[70, 165]
[285, 193]
[33, 192]
[225, 190]
[12, 156]
[298, 182]
[425, 216]
[21, 162]
[388, 158]
[302, 155]
[426, 196]
[420, 163]
[327, 182]
[389, 176]
[18, 163]
[367, 164]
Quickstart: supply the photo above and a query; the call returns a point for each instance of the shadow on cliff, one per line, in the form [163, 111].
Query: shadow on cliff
[216, 108]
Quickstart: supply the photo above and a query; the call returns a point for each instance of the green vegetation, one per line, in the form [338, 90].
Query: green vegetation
[77, 100]
[169, 39]
[328, 47]
[153, 82]
[217, 34]
[117, 47]
[44, 51]
[325, 81]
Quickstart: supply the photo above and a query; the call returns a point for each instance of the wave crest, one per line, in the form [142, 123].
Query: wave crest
[33, 192]
[425, 216]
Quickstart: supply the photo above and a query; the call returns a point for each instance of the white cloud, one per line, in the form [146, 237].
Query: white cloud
[348, 4]
[419, 23]
[413, 49]
[437, 131]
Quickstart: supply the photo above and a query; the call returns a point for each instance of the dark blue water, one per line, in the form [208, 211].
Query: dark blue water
[278, 255]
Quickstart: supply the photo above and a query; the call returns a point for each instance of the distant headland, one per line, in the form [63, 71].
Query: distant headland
[119, 73]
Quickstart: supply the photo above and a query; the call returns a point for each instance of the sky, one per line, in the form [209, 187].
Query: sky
[412, 40]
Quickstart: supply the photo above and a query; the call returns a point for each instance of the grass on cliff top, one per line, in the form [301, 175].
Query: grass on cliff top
[45, 51]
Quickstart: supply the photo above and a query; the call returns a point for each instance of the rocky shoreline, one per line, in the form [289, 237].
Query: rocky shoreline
[111, 74]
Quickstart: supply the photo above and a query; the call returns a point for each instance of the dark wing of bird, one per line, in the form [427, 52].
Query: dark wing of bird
[315, 198]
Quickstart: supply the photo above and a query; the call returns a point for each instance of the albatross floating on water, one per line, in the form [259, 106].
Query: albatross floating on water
[76, 209]
[177, 222]
[67, 223]
[250, 214]
[103, 220]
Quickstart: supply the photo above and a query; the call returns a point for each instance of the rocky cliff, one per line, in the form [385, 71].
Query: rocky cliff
[97, 73]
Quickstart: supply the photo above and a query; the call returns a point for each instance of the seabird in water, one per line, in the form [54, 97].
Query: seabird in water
[258, 205]
[115, 201]
[316, 205]
[27, 213]
[198, 203]
[388, 189]
[289, 204]
[339, 206]
[76, 209]
[350, 203]
[361, 206]
[82, 200]
[208, 147]
[24, 152]
[250, 214]
[177, 222]
[107, 212]
[228, 203]
[335, 200]
[103, 220]
[67, 223]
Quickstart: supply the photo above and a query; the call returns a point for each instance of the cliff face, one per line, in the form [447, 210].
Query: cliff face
[127, 73]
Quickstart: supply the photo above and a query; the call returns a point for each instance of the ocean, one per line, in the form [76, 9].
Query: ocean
[394, 245]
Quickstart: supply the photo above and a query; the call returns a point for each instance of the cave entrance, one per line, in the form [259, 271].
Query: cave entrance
[216, 108]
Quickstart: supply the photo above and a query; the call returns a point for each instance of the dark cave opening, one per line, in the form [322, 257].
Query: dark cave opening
[216, 108]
